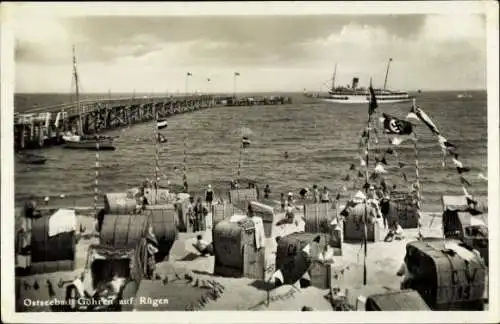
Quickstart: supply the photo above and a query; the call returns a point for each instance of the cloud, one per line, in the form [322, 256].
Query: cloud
[427, 49]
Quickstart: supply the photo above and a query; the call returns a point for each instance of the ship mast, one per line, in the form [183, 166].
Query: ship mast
[333, 78]
[75, 75]
[387, 72]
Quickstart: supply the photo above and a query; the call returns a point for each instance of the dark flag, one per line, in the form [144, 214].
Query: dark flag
[237, 73]
[360, 174]
[189, 74]
[352, 167]
[396, 126]
[462, 169]
[401, 164]
[390, 151]
[373, 101]
[383, 161]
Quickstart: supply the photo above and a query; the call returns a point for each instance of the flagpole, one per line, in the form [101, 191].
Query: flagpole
[234, 84]
[157, 152]
[371, 107]
[188, 74]
[417, 181]
[239, 161]
[184, 176]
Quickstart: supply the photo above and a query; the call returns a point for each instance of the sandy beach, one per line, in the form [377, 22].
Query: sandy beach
[383, 261]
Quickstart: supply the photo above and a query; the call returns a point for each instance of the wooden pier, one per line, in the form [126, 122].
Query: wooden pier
[44, 126]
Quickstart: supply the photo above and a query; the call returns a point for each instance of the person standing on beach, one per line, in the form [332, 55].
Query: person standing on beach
[303, 192]
[282, 200]
[315, 194]
[267, 191]
[209, 196]
[324, 196]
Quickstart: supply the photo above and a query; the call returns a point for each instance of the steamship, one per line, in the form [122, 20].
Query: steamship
[357, 95]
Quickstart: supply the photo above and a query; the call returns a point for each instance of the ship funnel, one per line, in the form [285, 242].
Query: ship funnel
[355, 82]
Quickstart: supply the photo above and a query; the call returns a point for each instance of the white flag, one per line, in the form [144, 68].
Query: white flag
[482, 177]
[457, 163]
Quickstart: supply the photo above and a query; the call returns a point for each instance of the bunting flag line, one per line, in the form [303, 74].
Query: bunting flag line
[157, 154]
[417, 185]
[184, 166]
[96, 181]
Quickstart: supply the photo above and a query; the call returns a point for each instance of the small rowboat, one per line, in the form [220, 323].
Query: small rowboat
[31, 159]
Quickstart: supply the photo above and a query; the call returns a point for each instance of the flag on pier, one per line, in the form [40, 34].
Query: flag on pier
[245, 142]
[396, 126]
[236, 73]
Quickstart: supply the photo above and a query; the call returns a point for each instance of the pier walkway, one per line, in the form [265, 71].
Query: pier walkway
[44, 126]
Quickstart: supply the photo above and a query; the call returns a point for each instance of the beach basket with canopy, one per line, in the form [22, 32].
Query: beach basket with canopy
[108, 273]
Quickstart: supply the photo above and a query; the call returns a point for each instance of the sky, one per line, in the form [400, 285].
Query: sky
[272, 53]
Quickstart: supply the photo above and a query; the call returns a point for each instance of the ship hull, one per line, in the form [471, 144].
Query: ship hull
[364, 100]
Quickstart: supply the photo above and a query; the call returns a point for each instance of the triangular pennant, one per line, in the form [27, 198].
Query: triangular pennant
[412, 116]
[397, 141]
[383, 161]
[482, 177]
[352, 167]
[462, 170]
[464, 181]
[360, 174]
[389, 151]
[380, 169]
[457, 163]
